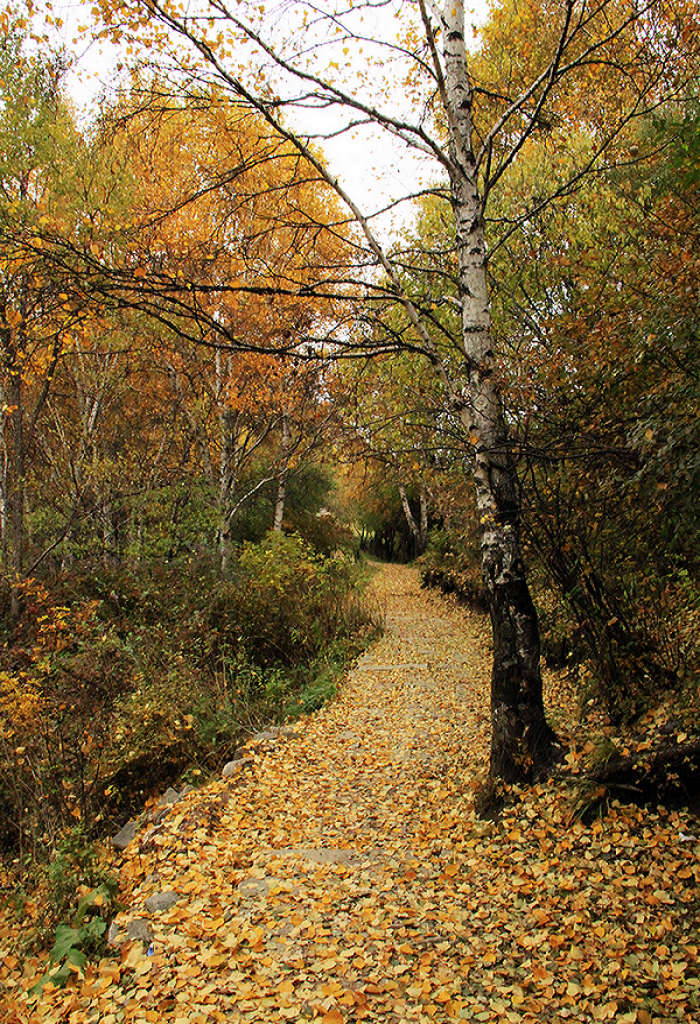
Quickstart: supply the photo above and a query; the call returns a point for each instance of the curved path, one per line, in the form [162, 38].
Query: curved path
[341, 875]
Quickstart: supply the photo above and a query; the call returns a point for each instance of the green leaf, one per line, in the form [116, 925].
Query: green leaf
[66, 938]
[77, 958]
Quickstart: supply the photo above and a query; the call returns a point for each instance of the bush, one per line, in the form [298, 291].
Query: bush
[79, 901]
[112, 684]
[452, 563]
[289, 599]
[77, 884]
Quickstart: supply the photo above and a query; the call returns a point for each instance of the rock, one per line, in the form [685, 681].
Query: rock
[137, 929]
[250, 888]
[268, 736]
[321, 854]
[141, 929]
[234, 767]
[186, 789]
[161, 901]
[148, 837]
[288, 731]
[124, 836]
[170, 796]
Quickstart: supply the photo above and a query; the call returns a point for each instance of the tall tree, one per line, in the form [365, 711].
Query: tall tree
[38, 151]
[474, 135]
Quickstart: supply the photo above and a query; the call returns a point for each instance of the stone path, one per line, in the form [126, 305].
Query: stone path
[339, 874]
[302, 883]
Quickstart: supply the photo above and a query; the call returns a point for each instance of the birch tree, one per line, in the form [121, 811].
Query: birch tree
[285, 58]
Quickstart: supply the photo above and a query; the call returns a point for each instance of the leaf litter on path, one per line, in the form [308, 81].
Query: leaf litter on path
[346, 878]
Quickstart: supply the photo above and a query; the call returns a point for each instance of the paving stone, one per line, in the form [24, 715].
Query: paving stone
[124, 836]
[141, 929]
[232, 768]
[266, 736]
[161, 901]
[251, 888]
[321, 854]
[368, 666]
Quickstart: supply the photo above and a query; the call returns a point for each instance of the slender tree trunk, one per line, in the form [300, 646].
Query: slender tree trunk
[410, 519]
[16, 467]
[3, 480]
[282, 476]
[279, 502]
[226, 487]
[227, 465]
[110, 534]
[423, 525]
[521, 739]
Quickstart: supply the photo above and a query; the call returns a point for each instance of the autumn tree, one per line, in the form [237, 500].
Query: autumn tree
[228, 209]
[610, 60]
[609, 362]
[38, 152]
[194, 196]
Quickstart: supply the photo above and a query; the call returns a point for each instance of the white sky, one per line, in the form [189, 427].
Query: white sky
[374, 169]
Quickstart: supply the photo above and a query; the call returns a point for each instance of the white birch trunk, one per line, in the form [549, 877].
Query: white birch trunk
[282, 476]
[521, 739]
[423, 524]
[416, 532]
[227, 481]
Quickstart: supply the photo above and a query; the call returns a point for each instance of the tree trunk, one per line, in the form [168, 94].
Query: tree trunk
[3, 480]
[110, 534]
[279, 502]
[521, 740]
[226, 487]
[227, 471]
[423, 524]
[15, 492]
[282, 475]
[418, 533]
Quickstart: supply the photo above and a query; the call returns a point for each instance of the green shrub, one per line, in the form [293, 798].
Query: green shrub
[73, 874]
[112, 683]
[289, 600]
[452, 563]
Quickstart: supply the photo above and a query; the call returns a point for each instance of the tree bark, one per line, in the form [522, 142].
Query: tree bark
[111, 555]
[282, 476]
[227, 480]
[423, 522]
[521, 740]
[3, 479]
[227, 486]
[419, 533]
[16, 458]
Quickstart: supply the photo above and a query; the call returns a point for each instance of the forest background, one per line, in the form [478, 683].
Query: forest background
[218, 385]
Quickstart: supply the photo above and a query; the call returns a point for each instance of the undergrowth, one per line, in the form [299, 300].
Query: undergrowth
[113, 683]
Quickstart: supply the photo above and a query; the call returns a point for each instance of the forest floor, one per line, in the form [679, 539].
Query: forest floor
[343, 876]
